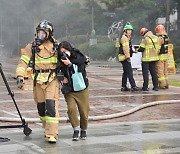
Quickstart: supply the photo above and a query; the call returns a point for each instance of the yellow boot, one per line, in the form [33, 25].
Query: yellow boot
[50, 139]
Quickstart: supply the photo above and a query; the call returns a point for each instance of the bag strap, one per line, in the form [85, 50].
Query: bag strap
[69, 78]
[75, 67]
[152, 41]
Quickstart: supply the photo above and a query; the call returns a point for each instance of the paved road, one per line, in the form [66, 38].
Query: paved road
[147, 137]
[133, 133]
[105, 95]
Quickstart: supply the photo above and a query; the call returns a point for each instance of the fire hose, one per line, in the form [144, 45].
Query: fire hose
[101, 117]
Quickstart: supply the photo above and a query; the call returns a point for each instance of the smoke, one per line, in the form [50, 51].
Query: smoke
[16, 24]
[18, 20]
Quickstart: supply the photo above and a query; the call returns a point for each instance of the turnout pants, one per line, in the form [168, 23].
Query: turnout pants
[162, 72]
[47, 98]
[127, 74]
[146, 68]
[78, 100]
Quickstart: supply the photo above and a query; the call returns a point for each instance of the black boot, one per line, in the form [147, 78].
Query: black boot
[145, 89]
[155, 88]
[125, 89]
[135, 88]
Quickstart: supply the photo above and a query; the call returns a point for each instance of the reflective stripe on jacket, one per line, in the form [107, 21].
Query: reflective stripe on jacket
[121, 57]
[45, 59]
[151, 46]
[125, 47]
[163, 57]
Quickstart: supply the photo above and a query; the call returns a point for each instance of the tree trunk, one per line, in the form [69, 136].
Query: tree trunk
[178, 16]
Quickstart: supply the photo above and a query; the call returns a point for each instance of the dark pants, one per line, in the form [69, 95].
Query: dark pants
[146, 68]
[127, 73]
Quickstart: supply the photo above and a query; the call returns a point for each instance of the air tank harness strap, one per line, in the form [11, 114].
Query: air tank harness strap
[36, 72]
[152, 42]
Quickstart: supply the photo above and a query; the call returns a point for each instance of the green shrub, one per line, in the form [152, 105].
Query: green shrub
[177, 55]
[80, 39]
[100, 51]
[102, 38]
[176, 52]
[84, 47]
[75, 40]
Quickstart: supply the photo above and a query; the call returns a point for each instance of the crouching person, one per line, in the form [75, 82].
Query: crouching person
[75, 87]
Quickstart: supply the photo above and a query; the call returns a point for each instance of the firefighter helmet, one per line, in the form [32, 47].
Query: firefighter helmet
[46, 26]
[128, 27]
[143, 31]
[160, 28]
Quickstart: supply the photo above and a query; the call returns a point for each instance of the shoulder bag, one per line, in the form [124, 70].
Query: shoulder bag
[77, 79]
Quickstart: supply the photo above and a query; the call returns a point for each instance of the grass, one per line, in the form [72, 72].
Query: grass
[175, 83]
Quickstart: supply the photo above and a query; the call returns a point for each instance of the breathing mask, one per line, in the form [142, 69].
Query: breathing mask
[41, 35]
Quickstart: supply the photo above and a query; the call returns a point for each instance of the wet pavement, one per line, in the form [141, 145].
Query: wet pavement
[147, 137]
[149, 130]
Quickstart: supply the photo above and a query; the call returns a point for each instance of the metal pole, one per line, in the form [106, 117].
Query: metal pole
[1, 37]
[167, 16]
[93, 32]
[178, 15]
[18, 30]
[92, 18]
[66, 31]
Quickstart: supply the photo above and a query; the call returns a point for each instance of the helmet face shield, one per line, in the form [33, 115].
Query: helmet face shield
[42, 35]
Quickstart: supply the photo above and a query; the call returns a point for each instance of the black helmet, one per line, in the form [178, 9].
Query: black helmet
[46, 26]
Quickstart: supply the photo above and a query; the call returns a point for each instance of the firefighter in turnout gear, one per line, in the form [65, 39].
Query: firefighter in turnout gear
[149, 47]
[162, 64]
[42, 57]
[125, 53]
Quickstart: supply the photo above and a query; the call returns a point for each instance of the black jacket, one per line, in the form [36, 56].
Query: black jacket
[78, 59]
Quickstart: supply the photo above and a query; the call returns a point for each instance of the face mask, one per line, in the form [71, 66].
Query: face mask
[68, 53]
[41, 35]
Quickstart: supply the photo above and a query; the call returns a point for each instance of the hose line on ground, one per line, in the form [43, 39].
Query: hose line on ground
[102, 117]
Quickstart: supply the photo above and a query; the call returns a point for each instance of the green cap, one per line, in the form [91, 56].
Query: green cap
[127, 26]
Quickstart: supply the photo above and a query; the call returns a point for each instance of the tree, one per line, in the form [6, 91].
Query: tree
[99, 19]
[92, 3]
[113, 4]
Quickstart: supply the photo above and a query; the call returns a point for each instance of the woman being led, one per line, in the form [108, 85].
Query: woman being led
[68, 57]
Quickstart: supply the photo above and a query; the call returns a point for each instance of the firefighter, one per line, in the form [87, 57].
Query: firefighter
[125, 53]
[42, 57]
[162, 64]
[149, 47]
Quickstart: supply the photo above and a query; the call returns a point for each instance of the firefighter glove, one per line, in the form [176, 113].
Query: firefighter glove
[20, 82]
